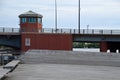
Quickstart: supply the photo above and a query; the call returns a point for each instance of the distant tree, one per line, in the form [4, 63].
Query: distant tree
[85, 45]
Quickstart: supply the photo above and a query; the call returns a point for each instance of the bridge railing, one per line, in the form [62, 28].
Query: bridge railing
[67, 31]
[82, 31]
[3, 29]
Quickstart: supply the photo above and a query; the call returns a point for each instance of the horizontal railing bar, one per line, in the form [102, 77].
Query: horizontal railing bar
[67, 31]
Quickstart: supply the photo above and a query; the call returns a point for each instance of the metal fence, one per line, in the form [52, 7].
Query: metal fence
[82, 31]
[3, 29]
[67, 31]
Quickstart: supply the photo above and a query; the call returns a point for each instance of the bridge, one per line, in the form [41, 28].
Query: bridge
[31, 35]
[13, 37]
[10, 37]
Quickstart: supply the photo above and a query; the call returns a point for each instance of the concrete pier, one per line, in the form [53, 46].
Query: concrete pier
[67, 65]
[64, 72]
[71, 57]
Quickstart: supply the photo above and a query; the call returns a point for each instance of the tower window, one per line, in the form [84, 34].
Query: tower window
[39, 20]
[23, 20]
[32, 20]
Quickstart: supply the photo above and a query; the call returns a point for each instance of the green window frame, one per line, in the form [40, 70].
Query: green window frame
[23, 20]
[32, 20]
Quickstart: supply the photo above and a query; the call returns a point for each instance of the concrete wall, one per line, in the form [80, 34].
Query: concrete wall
[46, 41]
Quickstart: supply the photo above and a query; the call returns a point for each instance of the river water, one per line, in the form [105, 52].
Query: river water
[87, 49]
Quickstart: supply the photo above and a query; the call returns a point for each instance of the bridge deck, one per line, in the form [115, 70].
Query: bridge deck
[9, 33]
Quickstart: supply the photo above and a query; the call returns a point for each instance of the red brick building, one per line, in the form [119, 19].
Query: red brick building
[32, 38]
[30, 22]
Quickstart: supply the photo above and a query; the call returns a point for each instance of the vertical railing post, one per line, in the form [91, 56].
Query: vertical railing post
[74, 31]
[3, 29]
[83, 31]
[12, 29]
[61, 30]
[111, 32]
[100, 31]
[52, 30]
[70, 31]
[43, 30]
[92, 31]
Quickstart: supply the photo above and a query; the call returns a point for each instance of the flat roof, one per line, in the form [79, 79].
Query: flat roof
[10, 33]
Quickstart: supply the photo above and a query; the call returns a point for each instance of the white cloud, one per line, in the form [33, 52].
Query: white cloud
[93, 12]
[104, 7]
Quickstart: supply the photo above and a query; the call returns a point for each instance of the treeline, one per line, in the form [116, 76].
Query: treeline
[85, 45]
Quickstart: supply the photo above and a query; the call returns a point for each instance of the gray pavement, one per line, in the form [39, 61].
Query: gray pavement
[67, 65]
[64, 72]
[71, 57]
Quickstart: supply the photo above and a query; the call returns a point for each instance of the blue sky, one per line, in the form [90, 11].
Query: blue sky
[99, 14]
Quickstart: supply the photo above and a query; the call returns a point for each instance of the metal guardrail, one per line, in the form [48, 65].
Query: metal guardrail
[82, 31]
[68, 31]
[3, 29]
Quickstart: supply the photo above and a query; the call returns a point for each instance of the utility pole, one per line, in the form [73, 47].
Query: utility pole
[56, 16]
[79, 16]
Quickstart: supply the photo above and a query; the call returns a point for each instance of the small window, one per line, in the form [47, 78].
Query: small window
[27, 41]
[39, 20]
[23, 20]
[31, 20]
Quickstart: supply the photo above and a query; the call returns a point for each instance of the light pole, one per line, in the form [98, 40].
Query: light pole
[79, 16]
[87, 28]
[56, 16]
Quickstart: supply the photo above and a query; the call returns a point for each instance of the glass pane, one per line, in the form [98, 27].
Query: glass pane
[23, 20]
[32, 20]
[39, 20]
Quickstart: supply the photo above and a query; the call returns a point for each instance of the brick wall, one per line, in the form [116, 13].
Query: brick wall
[47, 41]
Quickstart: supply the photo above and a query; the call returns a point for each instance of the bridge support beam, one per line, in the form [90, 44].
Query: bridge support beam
[103, 46]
